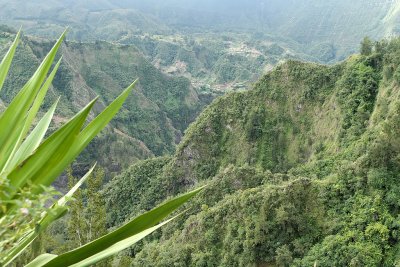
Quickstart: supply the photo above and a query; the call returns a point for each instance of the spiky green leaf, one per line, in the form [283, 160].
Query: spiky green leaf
[14, 117]
[33, 140]
[49, 154]
[6, 62]
[119, 246]
[41, 260]
[88, 133]
[134, 227]
[56, 211]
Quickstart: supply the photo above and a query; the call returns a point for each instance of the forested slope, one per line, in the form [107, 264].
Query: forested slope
[303, 168]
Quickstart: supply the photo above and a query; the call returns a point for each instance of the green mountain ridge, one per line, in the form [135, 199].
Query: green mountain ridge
[302, 169]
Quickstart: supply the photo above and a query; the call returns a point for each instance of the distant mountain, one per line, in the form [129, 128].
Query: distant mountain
[392, 20]
[325, 30]
[311, 23]
[88, 20]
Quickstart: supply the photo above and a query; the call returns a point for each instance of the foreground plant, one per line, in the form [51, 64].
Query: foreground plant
[29, 165]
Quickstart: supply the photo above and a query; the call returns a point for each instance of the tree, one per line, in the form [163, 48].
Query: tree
[366, 47]
[284, 256]
[76, 223]
[87, 220]
[95, 206]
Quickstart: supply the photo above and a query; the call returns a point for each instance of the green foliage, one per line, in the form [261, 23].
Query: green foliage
[77, 225]
[302, 170]
[359, 87]
[29, 166]
[366, 47]
[244, 228]
[130, 184]
[87, 220]
[284, 256]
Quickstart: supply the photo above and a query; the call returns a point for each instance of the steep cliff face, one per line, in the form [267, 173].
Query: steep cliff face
[303, 168]
[392, 19]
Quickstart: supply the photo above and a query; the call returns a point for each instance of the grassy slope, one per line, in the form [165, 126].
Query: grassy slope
[302, 168]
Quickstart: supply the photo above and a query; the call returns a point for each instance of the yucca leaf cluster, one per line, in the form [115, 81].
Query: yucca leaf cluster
[30, 162]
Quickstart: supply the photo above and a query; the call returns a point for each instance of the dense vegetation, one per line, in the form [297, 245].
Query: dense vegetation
[303, 168]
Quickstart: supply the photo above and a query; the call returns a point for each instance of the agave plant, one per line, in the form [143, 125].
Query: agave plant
[29, 164]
